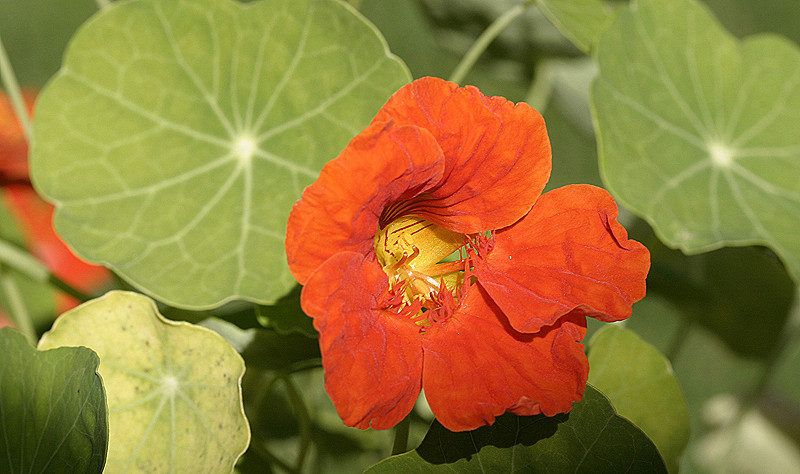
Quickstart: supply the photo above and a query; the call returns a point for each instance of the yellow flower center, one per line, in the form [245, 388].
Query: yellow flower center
[411, 251]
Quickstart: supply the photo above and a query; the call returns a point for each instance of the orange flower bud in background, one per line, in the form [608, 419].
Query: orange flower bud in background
[33, 216]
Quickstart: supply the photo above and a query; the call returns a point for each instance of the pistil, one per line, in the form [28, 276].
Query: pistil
[411, 251]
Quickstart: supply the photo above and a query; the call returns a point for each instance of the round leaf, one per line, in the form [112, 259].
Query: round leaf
[174, 389]
[639, 382]
[581, 21]
[697, 131]
[52, 408]
[590, 438]
[286, 316]
[178, 134]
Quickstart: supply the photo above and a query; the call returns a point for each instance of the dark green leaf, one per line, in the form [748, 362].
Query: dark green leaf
[591, 438]
[741, 294]
[52, 409]
[174, 388]
[642, 387]
[268, 350]
[286, 315]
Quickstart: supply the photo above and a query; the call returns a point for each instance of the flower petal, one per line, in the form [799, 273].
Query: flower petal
[13, 146]
[493, 149]
[477, 367]
[568, 252]
[35, 217]
[340, 211]
[372, 359]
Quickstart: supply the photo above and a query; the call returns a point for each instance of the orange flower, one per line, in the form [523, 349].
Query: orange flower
[13, 146]
[446, 171]
[33, 215]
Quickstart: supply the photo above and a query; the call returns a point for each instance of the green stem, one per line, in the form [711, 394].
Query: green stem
[266, 454]
[303, 419]
[789, 334]
[400, 444]
[485, 39]
[542, 85]
[14, 93]
[16, 306]
[25, 263]
[678, 340]
[304, 365]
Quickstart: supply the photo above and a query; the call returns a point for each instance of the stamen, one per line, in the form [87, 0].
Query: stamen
[423, 287]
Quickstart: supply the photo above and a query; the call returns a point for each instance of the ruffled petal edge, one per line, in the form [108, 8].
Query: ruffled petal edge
[372, 359]
[569, 253]
[477, 366]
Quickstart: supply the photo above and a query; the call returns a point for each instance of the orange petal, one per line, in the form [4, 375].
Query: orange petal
[13, 146]
[477, 367]
[568, 252]
[34, 216]
[372, 359]
[493, 149]
[340, 211]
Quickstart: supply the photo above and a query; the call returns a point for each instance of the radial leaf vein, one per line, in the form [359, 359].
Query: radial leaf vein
[765, 185]
[276, 92]
[676, 180]
[666, 79]
[780, 106]
[694, 78]
[322, 105]
[157, 186]
[165, 123]
[213, 102]
[148, 431]
[667, 126]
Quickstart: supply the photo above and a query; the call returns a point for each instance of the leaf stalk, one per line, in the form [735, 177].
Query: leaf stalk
[485, 39]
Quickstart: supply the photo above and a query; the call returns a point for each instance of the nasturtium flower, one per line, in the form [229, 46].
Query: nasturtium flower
[431, 260]
[13, 146]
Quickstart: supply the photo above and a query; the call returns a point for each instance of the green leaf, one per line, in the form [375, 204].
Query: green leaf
[174, 389]
[582, 21]
[178, 135]
[590, 438]
[38, 298]
[268, 350]
[697, 131]
[52, 408]
[642, 387]
[286, 316]
[743, 295]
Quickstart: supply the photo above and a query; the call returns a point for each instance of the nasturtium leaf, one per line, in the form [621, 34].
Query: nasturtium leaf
[53, 414]
[639, 382]
[286, 316]
[722, 290]
[266, 349]
[174, 389]
[697, 130]
[37, 296]
[178, 134]
[590, 438]
[582, 21]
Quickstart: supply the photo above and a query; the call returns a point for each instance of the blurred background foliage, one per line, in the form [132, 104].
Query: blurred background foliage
[728, 320]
